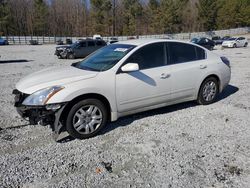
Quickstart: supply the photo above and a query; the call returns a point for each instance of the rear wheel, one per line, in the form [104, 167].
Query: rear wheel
[208, 91]
[86, 118]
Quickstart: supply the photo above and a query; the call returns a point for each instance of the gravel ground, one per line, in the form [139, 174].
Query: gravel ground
[185, 145]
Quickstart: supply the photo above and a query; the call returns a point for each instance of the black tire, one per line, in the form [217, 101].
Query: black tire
[202, 93]
[71, 56]
[235, 46]
[72, 116]
[245, 45]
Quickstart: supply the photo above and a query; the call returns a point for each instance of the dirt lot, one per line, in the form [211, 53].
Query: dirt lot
[184, 145]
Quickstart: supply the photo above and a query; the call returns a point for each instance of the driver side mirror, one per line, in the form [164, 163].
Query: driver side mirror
[130, 67]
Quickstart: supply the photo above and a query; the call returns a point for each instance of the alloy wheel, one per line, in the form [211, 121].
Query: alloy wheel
[209, 91]
[87, 119]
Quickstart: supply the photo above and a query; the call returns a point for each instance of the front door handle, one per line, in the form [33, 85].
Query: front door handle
[203, 66]
[165, 75]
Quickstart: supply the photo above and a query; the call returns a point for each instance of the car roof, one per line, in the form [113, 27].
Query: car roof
[139, 42]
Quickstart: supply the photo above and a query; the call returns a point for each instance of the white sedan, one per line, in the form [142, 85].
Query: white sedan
[235, 42]
[120, 79]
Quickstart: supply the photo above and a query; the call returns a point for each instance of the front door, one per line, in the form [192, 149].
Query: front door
[150, 85]
[79, 51]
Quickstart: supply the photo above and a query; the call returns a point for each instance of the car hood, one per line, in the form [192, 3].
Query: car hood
[51, 77]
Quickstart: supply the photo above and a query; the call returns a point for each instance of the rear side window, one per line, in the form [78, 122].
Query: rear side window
[91, 43]
[182, 52]
[200, 53]
[149, 56]
[100, 43]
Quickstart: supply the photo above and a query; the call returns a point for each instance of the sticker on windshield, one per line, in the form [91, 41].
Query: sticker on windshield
[120, 49]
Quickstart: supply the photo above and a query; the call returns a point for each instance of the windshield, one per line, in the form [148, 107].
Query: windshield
[104, 58]
[232, 39]
[76, 44]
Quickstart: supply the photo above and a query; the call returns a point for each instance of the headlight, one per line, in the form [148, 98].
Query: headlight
[42, 96]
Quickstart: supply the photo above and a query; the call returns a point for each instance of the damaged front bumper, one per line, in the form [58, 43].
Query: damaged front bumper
[40, 115]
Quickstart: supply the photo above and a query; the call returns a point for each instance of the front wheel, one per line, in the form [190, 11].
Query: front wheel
[245, 45]
[86, 118]
[235, 46]
[208, 91]
[71, 56]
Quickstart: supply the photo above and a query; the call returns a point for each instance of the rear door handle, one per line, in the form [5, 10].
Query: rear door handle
[165, 75]
[203, 66]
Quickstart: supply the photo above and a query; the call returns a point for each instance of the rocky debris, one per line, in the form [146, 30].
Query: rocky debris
[107, 166]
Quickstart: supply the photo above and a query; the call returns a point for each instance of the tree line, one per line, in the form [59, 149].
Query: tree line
[119, 17]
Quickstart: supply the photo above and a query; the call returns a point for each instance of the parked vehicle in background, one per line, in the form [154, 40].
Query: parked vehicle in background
[205, 42]
[219, 40]
[59, 42]
[33, 42]
[226, 38]
[3, 41]
[112, 40]
[68, 41]
[79, 49]
[131, 38]
[120, 79]
[97, 37]
[235, 42]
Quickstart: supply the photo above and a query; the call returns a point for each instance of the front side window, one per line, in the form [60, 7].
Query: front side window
[149, 56]
[83, 44]
[104, 58]
[182, 52]
[75, 45]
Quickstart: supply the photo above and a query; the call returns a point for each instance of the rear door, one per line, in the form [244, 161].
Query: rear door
[187, 66]
[241, 41]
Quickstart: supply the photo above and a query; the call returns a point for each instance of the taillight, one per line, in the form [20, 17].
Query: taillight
[226, 61]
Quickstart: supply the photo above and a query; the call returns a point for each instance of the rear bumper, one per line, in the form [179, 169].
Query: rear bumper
[226, 77]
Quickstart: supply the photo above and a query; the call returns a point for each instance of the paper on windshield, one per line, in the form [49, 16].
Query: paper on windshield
[120, 49]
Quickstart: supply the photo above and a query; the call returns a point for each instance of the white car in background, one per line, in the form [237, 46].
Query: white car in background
[120, 79]
[235, 42]
[97, 37]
